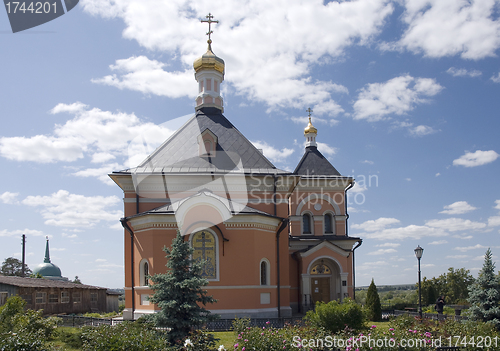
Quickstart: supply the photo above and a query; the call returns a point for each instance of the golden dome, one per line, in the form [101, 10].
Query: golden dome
[209, 61]
[310, 128]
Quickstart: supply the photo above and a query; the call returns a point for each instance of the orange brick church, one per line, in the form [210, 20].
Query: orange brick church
[273, 241]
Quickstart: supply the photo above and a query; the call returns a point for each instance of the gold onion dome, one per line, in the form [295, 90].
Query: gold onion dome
[310, 128]
[209, 61]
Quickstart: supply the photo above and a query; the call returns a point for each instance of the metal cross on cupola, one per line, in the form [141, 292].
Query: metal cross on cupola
[309, 111]
[209, 21]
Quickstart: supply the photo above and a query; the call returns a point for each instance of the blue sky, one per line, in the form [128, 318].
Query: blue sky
[404, 93]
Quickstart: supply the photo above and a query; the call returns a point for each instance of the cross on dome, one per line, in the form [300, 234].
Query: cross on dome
[209, 21]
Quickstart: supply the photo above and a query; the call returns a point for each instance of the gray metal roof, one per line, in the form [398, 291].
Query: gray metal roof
[313, 163]
[180, 153]
[43, 283]
[233, 206]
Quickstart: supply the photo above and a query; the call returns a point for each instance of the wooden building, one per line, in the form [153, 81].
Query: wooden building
[54, 296]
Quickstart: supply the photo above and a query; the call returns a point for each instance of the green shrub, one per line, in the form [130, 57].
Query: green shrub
[23, 340]
[127, 336]
[24, 331]
[241, 324]
[70, 336]
[288, 338]
[335, 316]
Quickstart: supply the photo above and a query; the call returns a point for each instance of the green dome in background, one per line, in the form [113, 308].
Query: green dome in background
[47, 269]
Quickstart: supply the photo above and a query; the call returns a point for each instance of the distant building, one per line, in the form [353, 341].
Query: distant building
[47, 269]
[55, 296]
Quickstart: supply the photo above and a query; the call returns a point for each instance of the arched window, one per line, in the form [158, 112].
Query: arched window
[328, 223]
[204, 244]
[264, 272]
[144, 273]
[306, 223]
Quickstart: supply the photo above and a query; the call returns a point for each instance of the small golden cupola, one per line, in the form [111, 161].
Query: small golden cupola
[209, 73]
[310, 132]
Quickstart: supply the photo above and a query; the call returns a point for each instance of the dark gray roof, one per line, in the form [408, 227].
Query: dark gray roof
[43, 283]
[233, 206]
[313, 163]
[180, 153]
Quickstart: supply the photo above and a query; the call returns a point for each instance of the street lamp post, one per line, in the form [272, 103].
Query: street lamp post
[418, 252]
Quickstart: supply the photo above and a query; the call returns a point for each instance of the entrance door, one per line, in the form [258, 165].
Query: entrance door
[320, 289]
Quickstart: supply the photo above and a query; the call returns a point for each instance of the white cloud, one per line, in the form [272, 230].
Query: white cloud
[422, 130]
[100, 173]
[358, 188]
[272, 153]
[377, 101]
[474, 159]
[438, 242]
[9, 198]
[496, 78]
[455, 224]
[381, 229]
[20, 232]
[438, 174]
[102, 135]
[279, 70]
[458, 207]
[494, 221]
[440, 28]
[498, 204]
[101, 157]
[468, 248]
[388, 245]
[462, 72]
[382, 252]
[326, 149]
[458, 257]
[368, 162]
[148, 77]
[375, 225]
[71, 210]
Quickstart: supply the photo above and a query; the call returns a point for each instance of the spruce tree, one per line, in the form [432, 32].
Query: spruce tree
[373, 307]
[484, 294]
[179, 293]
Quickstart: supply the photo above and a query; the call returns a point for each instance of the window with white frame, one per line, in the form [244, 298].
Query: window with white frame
[64, 297]
[41, 297]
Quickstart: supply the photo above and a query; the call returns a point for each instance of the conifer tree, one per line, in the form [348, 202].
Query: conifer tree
[179, 293]
[484, 294]
[373, 307]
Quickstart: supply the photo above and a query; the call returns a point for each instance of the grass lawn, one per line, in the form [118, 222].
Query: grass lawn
[226, 338]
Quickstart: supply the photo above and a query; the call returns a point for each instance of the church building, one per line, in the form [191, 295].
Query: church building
[273, 242]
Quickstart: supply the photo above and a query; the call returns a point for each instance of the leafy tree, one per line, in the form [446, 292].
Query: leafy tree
[179, 292]
[484, 294]
[453, 285]
[373, 307]
[14, 267]
[77, 280]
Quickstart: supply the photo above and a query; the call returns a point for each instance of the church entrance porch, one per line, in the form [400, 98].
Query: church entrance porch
[323, 281]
